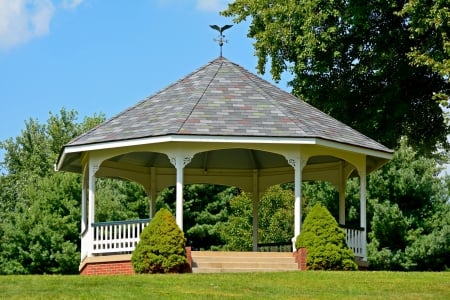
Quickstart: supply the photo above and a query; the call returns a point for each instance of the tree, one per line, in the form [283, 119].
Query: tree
[40, 235]
[276, 215]
[429, 246]
[40, 208]
[429, 28]
[275, 219]
[388, 237]
[161, 248]
[325, 242]
[236, 233]
[408, 214]
[120, 200]
[352, 59]
[410, 181]
[37, 148]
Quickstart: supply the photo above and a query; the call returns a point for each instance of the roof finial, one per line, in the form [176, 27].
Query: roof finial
[220, 39]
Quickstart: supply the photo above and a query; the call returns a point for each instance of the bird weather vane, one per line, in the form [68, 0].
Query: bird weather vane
[221, 39]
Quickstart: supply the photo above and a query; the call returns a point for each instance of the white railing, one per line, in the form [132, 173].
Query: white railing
[355, 240]
[117, 236]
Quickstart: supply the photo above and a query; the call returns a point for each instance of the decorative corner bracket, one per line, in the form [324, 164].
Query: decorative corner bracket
[180, 159]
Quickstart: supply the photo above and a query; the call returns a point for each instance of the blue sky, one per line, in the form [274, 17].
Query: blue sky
[98, 56]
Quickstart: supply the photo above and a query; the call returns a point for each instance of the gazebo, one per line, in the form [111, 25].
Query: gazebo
[223, 125]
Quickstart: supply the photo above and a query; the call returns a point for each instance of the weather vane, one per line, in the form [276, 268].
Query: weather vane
[221, 37]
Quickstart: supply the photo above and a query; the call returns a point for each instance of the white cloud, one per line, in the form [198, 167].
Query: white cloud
[212, 5]
[22, 20]
[71, 4]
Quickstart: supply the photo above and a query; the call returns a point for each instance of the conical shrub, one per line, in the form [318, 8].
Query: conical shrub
[325, 241]
[161, 248]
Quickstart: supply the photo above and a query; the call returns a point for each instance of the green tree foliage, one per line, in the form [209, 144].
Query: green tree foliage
[36, 149]
[236, 233]
[40, 208]
[388, 237]
[276, 215]
[353, 60]
[41, 235]
[428, 247]
[325, 241]
[275, 219]
[409, 214]
[320, 192]
[117, 200]
[429, 27]
[161, 248]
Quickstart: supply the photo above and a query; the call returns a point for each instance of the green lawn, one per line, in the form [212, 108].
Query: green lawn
[289, 285]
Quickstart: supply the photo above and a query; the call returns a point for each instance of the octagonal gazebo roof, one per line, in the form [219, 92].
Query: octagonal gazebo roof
[221, 99]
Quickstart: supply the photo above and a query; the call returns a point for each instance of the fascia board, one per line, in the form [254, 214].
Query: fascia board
[222, 139]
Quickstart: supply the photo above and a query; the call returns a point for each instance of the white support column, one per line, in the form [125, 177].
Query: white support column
[84, 216]
[255, 209]
[179, 161]
[298, 164]
[84, 196]
[363, 210]
[342, 206]
[93, 168]
[152, 192]
[179, 195]
[341, 191]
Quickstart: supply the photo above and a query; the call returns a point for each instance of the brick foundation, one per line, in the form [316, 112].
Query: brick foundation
[302, 254]
[189, 256]
[108, 268]
[114, 264]
[107, 265]
[300, 258]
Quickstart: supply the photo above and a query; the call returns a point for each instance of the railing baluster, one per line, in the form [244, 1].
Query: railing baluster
[119, 236]
[114, 241]
[100, 239]
[354, 240]
[115, 237]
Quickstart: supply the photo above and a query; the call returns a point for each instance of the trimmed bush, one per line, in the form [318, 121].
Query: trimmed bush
[161, 248]
[325, 241]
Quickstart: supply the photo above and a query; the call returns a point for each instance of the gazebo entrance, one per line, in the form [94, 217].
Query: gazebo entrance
[219, 125]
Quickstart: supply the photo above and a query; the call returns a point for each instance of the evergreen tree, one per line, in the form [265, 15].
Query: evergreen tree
[408, 208]
[325, 242]
[161, 248]
[40, 208]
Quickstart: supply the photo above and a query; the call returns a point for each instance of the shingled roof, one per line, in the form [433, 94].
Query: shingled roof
[224, 99]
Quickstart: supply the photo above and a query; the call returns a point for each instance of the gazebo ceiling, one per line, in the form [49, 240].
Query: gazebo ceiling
[243, 159]
[237, 159]
[220, 102]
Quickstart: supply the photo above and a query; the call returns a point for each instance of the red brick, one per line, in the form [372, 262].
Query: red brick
[300, 258]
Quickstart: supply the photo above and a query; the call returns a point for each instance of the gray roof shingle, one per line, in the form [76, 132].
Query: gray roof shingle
[224, 99]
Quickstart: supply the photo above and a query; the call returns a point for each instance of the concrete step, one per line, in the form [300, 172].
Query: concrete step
[242, 270]
[248, 265]
[217, 262]
[211, 258]
[240, 254]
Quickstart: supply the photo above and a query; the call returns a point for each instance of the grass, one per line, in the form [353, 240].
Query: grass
[288, 285]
